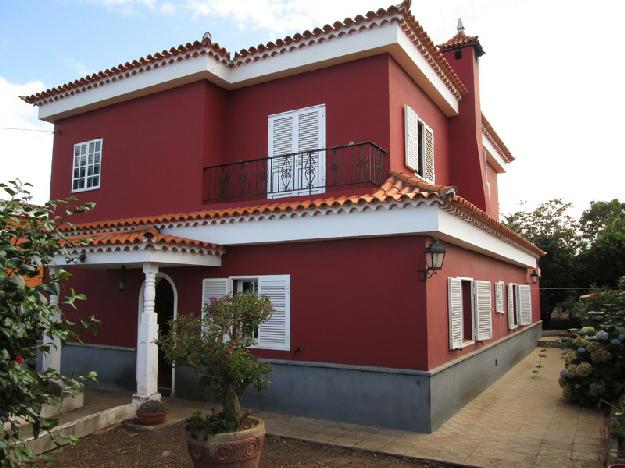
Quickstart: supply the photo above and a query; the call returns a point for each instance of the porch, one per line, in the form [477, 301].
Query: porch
[147, 250]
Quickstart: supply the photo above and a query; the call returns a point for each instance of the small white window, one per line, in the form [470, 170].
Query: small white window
[87, 166]
[419, 145]
[275, 333]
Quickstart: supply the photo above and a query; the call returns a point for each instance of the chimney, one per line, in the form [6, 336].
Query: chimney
[465, 131]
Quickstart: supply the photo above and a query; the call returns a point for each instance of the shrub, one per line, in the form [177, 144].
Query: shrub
[595, 355]
[152, 406]
[216, 346]
[29, 239]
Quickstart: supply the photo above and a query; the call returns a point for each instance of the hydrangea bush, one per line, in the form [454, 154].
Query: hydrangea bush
[595, 354]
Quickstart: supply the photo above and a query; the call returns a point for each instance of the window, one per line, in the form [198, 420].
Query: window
[470, 311]
[499, 287]
[512, 309]
[296, 136]
[419, 145]
[523, 298]
[275, 332]
[87, 166]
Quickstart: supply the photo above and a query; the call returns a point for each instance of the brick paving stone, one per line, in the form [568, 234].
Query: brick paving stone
[519, 421]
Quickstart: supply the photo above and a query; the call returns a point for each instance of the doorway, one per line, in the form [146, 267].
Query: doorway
[164, 307]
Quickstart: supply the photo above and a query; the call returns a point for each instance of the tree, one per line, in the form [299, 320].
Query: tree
[599, 217]
[216, 347]
[554, 231]
[28, 242]
[603, 231]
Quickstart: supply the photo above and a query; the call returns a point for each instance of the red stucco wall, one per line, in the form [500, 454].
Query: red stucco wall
[354, 301]
[492, 196]
[403, 90]
[153, 151]
[467, 168]
[464, 263]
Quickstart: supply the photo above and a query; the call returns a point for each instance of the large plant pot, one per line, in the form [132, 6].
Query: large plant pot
[229, 449]
[151, 419]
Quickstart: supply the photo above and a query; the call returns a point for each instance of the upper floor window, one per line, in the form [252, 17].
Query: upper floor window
[419, 145]
[296, 165]
[87, 165]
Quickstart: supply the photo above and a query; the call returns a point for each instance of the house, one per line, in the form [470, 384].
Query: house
[322, 170]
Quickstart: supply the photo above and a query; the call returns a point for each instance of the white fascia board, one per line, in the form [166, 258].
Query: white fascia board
[136, 258]
[380, 222]
[141, 84]
[464, 234]
[423, 73]
[388, 38]
[495, 159]
[417, 220]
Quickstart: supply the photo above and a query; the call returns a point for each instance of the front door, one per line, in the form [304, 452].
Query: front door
[164, 308]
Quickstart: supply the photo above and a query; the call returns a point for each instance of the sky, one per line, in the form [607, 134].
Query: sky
[550, 82]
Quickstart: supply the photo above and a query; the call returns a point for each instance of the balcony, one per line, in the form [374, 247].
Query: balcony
[298, 174]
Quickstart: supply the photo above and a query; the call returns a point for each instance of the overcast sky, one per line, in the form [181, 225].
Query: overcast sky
[551, 80]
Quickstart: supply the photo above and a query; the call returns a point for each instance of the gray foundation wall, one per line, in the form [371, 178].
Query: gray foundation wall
[454, 385]
[115, 366]
[395, 398]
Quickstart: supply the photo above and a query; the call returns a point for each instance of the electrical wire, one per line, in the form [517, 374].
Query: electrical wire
[27, 129]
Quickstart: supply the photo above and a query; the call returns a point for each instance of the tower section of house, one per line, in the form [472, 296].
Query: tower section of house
[324, 170]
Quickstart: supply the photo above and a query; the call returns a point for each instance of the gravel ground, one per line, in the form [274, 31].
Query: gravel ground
[166, 447]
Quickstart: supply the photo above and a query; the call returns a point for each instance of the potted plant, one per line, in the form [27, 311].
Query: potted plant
[216, 347]
[151, 413]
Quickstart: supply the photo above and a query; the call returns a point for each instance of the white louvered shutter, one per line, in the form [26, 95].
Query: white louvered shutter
[310, 136]
[428, 154]
[499, 286]
[214, 288]
[525, 304]
[282, 141]
[275, 333]
[483, 310]
[293, 132]
[511, 321]
[455, 313]
[411, 139]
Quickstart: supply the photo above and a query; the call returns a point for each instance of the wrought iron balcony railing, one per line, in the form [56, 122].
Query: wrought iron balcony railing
[304, 173]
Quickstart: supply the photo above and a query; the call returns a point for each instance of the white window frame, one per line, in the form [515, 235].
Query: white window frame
[86, 176]
[259, 344]
[420, 170]
[295, 148]
[471, 340]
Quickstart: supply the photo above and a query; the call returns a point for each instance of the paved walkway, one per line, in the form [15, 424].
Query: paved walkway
[520, 421]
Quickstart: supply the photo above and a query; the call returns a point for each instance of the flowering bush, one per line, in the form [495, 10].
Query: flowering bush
[595, 354]
[29, 240]
[216, 346]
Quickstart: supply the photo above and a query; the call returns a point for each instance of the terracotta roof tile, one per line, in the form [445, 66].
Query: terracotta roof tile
[398, 187]
[399, 14]
[142, 236]
[460, 41]
[492, 136]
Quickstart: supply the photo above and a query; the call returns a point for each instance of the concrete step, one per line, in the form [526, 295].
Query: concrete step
[549, 342]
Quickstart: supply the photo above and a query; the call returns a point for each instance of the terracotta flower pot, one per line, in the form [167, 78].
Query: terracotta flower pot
[229, 449]
[151, 419]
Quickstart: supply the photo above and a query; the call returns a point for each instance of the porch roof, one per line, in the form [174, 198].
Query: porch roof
[398, 187]
[135, 247]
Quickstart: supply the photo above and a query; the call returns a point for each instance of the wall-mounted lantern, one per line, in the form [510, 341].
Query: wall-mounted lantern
[122, 279]
[534, 276]
[434, 257]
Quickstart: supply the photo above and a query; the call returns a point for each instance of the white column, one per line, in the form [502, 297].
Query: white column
[147, 350]
[52, 358]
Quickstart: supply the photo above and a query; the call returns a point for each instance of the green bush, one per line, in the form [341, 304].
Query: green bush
[29, 239]
[595, 354]
[216, 347]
